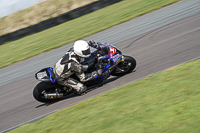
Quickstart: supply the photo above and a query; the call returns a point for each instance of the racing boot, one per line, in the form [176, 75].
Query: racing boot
[82, 90]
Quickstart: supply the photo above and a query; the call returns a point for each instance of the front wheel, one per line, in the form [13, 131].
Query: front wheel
[124, 67]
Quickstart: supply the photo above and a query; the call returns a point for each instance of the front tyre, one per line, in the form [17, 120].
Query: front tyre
[124, 67]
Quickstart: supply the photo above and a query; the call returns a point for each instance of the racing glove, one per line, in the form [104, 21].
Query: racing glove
[94, 45]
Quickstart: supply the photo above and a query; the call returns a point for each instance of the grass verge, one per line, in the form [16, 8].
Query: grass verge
[167, 102]
[60, 35]
[37, 13]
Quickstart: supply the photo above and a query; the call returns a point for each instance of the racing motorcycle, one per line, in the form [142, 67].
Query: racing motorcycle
[108, 57]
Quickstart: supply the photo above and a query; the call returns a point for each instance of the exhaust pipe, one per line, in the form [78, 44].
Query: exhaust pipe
[53, 95]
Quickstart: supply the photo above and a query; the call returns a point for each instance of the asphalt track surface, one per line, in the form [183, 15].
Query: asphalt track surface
[158, 40]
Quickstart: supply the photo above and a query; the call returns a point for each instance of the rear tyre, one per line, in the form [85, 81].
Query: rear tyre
[124, 67]
[40, 88]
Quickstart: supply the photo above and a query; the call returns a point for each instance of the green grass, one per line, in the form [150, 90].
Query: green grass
[167, 102]
[60, 35]
[38, 13]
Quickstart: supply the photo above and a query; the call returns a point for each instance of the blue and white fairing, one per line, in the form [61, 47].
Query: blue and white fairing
[113, 61]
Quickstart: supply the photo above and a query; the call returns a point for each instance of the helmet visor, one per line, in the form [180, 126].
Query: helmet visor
[86, 52]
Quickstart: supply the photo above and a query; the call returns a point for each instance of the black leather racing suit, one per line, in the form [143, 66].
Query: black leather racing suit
[69, 64]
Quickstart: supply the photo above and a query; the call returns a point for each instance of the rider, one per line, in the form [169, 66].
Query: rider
[70, 64]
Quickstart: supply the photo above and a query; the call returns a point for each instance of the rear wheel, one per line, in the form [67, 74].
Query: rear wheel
[42, 88]
[124, 67]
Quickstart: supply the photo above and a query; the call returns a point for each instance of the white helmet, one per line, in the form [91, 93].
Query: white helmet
[82, 48]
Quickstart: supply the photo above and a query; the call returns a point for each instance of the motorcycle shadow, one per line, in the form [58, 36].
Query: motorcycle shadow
[111, 79]
[104, 82]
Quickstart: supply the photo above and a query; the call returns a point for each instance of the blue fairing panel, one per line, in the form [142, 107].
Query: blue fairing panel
[50, 70]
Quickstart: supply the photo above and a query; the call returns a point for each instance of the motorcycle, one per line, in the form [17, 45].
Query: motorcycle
[108, 57]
